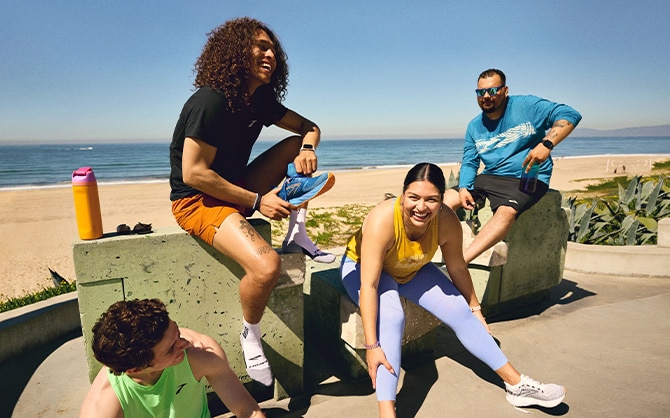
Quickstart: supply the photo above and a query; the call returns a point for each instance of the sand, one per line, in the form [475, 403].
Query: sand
[38, 226]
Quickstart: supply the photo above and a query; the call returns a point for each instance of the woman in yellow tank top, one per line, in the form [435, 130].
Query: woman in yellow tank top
[390, 256]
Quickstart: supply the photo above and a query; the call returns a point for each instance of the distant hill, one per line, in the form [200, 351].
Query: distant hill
[661, 130]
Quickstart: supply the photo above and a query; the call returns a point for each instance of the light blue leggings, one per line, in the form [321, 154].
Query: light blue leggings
[433, 291]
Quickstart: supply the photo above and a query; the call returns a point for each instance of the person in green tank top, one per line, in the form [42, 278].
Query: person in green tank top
[155, 368]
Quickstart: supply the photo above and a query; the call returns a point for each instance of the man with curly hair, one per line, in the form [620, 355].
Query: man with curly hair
[155, 368]
[241, 79]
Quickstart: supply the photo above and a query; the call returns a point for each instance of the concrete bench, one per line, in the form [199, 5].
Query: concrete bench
[201, 290]
[519, 271]
[535, 257]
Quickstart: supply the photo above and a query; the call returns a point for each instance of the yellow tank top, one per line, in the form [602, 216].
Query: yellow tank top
[405, 257]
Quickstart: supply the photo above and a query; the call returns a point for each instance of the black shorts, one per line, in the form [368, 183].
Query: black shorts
[504, 191]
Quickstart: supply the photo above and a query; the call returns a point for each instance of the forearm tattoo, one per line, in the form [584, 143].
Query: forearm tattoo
[556, 127]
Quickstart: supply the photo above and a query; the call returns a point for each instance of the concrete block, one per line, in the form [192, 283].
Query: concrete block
[201, 290]
[537, 245]
[534, 257]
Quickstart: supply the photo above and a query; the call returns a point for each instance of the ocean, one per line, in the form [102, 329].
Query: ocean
[51, 165]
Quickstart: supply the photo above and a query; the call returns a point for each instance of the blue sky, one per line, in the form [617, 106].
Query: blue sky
[103, 71]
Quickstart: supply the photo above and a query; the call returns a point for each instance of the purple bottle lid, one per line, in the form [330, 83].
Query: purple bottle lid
[83, 175]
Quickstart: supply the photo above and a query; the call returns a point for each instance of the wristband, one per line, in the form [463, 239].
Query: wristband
[372, 346]
[307, 147]
[257, 202]
[476, 308]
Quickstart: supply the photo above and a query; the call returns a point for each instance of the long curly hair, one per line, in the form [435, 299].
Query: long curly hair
[226, 62]
[125, 335]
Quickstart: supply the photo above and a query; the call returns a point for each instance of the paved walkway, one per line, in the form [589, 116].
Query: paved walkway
[607, 339]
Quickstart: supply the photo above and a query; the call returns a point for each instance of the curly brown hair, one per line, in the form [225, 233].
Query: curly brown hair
[226, 62]
[125, 335]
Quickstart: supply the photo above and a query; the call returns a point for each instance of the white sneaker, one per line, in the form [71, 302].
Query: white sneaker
[530, 392]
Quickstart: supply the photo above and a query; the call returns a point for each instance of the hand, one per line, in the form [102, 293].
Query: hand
[374, 358]
[306, 162]
[536, 156]
[467, 202]
[274, 207]
[481, 318]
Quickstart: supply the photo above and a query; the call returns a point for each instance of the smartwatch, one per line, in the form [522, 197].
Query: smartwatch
[308, 147]
[547, 143]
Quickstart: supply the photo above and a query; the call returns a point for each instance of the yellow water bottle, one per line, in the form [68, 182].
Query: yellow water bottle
[87, 203]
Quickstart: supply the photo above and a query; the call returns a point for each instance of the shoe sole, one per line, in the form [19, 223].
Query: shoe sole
[523, 402]
[327, 185]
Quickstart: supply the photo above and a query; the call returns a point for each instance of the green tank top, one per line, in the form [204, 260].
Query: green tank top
[175, 395]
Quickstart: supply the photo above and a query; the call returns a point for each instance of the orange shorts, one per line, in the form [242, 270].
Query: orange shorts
[201, 215]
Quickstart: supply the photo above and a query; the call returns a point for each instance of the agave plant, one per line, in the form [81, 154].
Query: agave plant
[631, 218]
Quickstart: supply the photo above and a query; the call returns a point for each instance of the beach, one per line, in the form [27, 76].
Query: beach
[38, 226]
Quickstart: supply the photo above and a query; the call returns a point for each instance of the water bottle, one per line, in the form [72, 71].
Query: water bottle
[87, 203]
[529, 179]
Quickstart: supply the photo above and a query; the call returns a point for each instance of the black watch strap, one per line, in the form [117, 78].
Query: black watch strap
[547, 143]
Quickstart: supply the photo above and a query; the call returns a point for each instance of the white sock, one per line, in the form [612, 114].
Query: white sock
[297, 232]
[258, 366]
[293, 224]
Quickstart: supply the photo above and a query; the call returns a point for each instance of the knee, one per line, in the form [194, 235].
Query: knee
[452, 199]
[506, 214]
[392, 317]
[265, 272]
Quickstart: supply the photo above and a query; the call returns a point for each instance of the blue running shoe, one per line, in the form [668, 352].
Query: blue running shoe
[298, 189]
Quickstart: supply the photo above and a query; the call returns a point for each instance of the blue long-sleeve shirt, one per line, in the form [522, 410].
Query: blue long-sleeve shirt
[503, 144]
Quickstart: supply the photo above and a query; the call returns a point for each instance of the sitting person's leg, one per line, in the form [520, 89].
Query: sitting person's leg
[234, 237]
[433, 291]
[507, 203]
[452, 199]
[390, 325]
[237, 239]
[491, 233]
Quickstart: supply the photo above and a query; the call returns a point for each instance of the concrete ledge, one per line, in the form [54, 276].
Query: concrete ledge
[40, 323]
[536, 248]
[200, 288]
[629, 260]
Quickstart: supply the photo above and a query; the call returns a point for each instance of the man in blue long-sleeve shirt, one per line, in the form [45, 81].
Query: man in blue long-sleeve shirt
[508, 137]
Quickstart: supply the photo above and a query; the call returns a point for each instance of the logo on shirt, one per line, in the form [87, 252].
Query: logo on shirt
[252, 123]
[179, 388]
[511, 135]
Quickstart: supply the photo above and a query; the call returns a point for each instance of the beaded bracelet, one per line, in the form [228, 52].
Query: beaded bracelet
[476, 308]
[372, 346]
[257, 202]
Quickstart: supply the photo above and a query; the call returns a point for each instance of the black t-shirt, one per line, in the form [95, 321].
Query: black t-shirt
[205, 116]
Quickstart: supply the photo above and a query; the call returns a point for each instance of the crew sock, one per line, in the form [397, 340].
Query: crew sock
[258, 366]
[297, 232]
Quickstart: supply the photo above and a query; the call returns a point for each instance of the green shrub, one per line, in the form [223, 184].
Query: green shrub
[631, 218]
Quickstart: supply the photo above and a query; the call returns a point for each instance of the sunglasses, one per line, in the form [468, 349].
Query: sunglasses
[492, 91]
